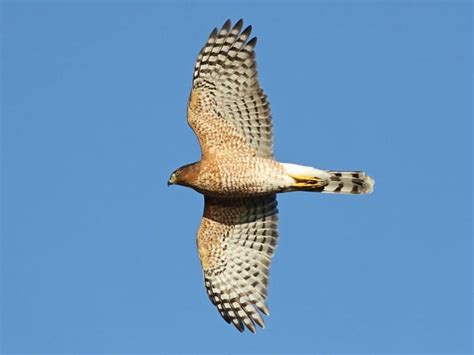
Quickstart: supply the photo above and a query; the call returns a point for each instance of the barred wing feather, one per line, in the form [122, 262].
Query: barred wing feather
[236, 241]
[226, 101]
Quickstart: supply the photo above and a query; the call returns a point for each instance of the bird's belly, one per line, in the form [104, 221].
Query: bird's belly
[247, 177]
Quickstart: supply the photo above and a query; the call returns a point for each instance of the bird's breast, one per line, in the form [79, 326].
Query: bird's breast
[240, 176]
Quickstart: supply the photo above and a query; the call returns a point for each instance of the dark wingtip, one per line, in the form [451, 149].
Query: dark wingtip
[226, 25]
[239, 326]
[253, 42]
[238, 25]
[252, 329]
[247, 30]
[213, 33]
[259, 322]
[264, 309]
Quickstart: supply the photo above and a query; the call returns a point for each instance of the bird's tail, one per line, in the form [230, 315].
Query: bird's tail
[306, 178]
[349, 182]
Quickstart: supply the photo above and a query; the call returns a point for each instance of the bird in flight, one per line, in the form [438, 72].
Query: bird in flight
[239, 176]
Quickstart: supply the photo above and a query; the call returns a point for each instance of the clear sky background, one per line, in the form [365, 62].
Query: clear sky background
[99, 255]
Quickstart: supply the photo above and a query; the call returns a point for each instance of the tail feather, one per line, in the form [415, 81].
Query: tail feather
[349, 182]
[343, 182]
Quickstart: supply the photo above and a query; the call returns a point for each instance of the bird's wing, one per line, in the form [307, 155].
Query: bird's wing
[227, 109]
[236, 241]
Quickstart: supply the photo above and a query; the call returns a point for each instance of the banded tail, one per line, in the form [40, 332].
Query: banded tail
[306, 178]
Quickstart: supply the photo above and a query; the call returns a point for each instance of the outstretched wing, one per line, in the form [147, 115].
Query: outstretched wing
[227, 108]
[236, 241]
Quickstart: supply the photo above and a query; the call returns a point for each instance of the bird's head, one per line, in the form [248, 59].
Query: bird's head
[184, 175]
[173, 178]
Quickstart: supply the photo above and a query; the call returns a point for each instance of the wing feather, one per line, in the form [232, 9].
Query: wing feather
[236, 241]
[228, 109]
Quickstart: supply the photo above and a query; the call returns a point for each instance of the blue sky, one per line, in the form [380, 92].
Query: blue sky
[99, 255]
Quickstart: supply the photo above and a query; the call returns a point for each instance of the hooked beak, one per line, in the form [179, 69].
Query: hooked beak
[172, 180]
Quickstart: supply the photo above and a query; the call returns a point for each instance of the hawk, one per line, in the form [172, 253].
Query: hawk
[239, 176]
